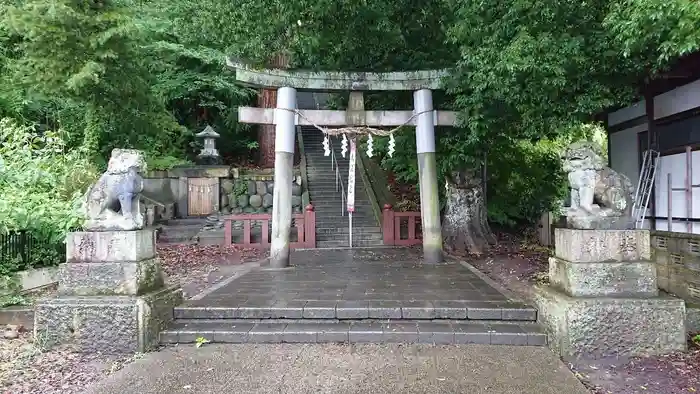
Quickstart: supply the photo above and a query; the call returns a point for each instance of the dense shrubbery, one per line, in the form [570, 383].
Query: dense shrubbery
[41, 184]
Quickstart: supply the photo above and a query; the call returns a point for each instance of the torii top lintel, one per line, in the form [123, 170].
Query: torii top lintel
[335, 80]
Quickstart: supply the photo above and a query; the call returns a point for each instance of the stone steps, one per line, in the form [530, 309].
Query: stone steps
[344, 230]
[377, 331]
[342, 242]
[443, 322]
[180, 230]
[366, 309]
[328, 202]
[355, 237]
[357, 226]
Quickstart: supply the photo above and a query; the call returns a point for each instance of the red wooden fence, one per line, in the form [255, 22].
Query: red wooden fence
[305, 224]
[391, 227]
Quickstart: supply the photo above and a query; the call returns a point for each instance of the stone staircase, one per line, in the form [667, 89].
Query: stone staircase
[331, 226]
[180, 230]
[357, 295]
[293, 321]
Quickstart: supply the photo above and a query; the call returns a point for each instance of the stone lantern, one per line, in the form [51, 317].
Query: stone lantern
[209, 155]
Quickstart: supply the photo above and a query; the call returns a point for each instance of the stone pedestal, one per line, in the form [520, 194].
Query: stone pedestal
[111, 295]
[603, 298]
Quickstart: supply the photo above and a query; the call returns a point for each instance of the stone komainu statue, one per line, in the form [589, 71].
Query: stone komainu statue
[113, 203]
[601, 198]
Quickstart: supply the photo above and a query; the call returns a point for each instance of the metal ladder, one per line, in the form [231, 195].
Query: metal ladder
[644, 186]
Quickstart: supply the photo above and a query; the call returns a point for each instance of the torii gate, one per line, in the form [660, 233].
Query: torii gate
[286, 117]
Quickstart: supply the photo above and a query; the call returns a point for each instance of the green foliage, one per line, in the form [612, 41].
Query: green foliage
[159, 163]
[149, 75]
[524, 180]
[13, 299]
[188, 61]
[41, 182]
[661, 30]
[240, 188]
[89, 55]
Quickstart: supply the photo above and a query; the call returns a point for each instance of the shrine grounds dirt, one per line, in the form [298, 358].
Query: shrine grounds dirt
[26, 368]
[518, 264]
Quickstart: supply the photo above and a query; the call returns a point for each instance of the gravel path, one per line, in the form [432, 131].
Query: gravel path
[26, 368]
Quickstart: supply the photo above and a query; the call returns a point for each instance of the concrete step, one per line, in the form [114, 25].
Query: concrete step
[344, 230]
[345, 244]
[342, 222]
[365, 309]
[326, 222]
[330, 206]
[385, 331]
[344, 237]
[185, 222]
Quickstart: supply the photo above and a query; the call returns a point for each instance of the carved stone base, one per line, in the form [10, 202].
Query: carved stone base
[110, 246]
[111, 324]
[97, 279]
[605, 279]
[600, 222]
[610, 327]
[592, 246]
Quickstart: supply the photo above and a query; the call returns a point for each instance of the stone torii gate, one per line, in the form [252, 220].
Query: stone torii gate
[286, 117]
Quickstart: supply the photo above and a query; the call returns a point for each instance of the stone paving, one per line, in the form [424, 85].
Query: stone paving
[343, 276]
[360, 295]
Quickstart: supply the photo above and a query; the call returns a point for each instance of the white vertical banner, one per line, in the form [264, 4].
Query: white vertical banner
[351, 175]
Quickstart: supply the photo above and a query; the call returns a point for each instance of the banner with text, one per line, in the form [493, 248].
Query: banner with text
[351, 175]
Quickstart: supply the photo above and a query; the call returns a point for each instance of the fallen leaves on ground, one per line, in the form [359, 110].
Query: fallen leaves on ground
[27, 369]
[518, 264]
[196, 267]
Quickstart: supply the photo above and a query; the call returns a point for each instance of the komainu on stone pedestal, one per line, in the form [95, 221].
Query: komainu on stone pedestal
[112, 296]
[601, 198]
[603, 298]
[113, 202]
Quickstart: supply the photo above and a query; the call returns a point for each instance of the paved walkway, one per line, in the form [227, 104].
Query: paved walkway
[339, 369]
[355, 275]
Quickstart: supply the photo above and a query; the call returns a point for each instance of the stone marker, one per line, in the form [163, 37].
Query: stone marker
[111, 297]
[603, 298]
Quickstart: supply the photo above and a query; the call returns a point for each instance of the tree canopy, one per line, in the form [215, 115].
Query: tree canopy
[527, 75]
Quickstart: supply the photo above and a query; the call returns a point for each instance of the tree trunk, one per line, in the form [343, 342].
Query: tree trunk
[266, 132]
[267, 98]
[465, 226]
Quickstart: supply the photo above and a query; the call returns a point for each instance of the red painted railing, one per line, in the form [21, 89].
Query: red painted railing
[391, 227]
[305, 224]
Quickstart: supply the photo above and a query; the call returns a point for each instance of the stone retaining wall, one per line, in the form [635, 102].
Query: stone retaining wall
[677, 257]
[253, 196]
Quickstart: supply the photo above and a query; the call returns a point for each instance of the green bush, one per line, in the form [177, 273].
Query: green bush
[42, 186]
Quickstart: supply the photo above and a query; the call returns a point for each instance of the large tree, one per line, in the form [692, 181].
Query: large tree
[88, 55]
[533, 70]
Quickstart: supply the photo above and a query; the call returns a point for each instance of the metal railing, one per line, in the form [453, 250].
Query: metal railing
[339, 186]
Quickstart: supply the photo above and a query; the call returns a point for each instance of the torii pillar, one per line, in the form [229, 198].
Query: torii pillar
[427, 174]
[285, 124]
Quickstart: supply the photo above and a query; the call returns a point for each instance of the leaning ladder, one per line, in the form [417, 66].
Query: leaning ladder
[644, 186]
